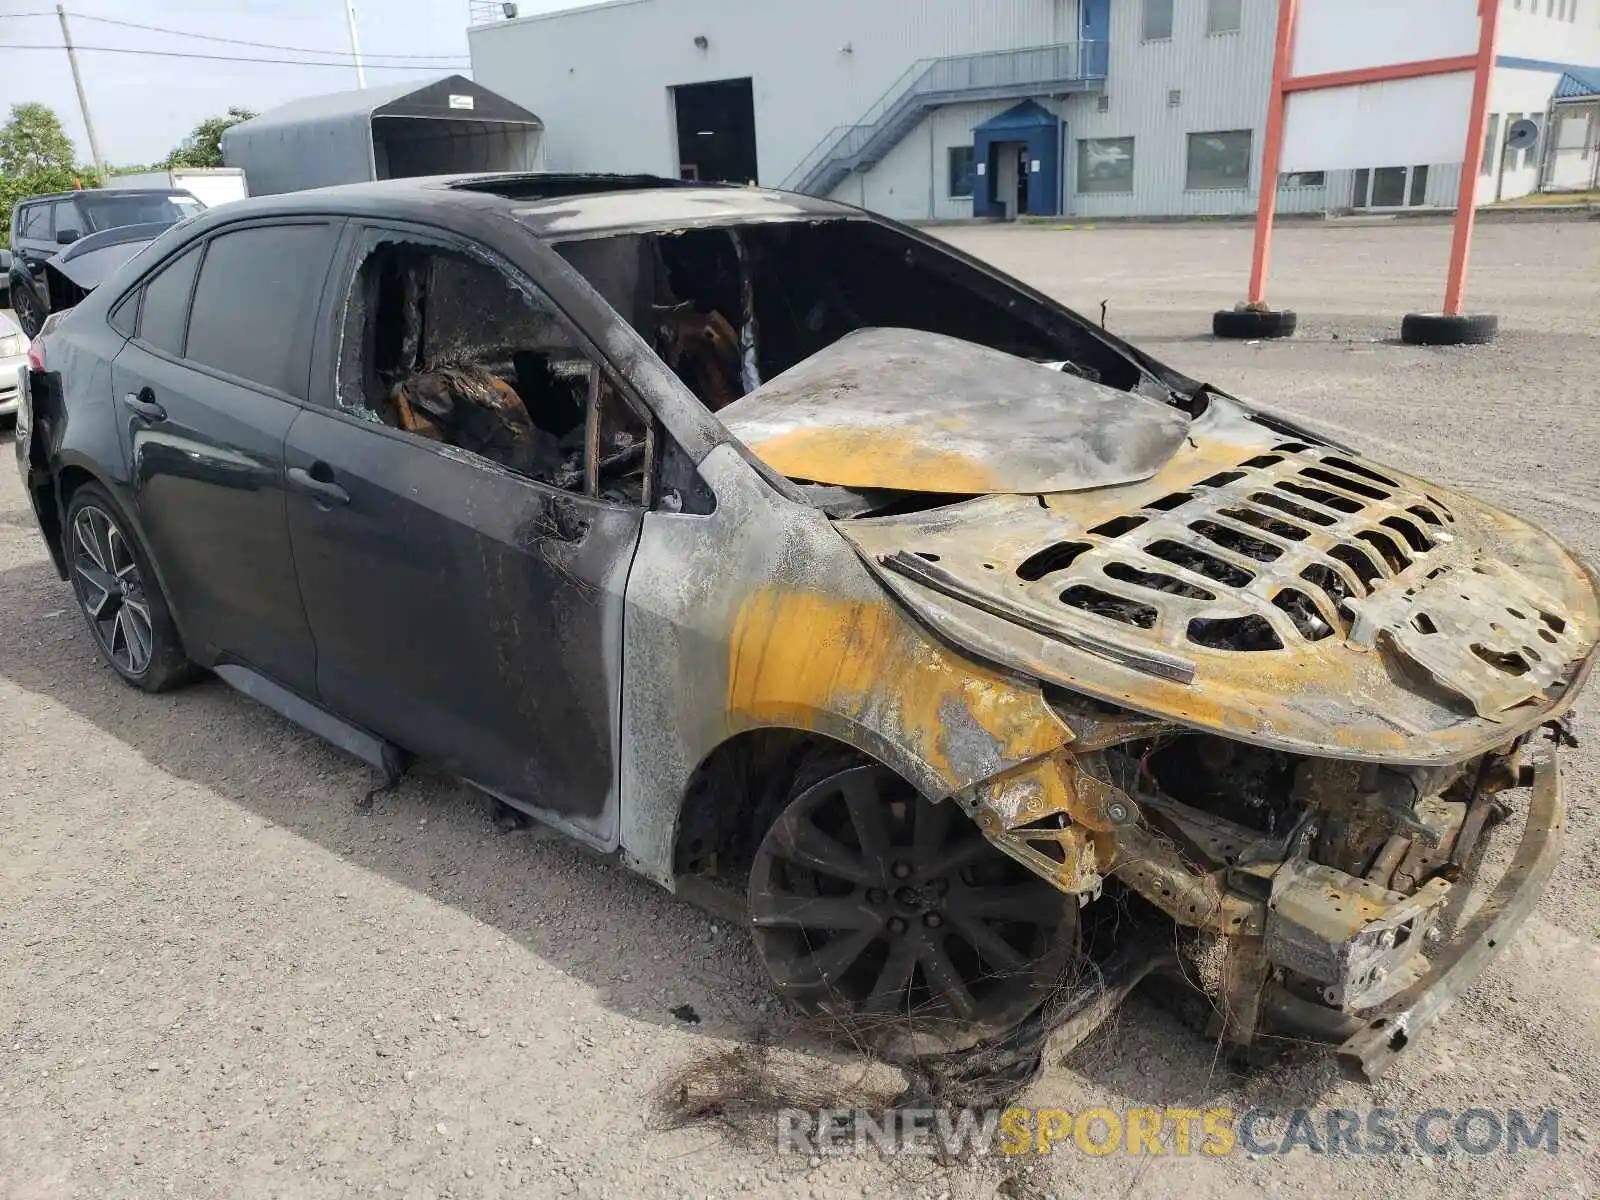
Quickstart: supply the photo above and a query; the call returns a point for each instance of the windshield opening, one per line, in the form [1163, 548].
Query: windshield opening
[154, 208]
[729, 307]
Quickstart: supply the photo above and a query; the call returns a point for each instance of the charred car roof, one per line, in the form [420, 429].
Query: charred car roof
[556, 206]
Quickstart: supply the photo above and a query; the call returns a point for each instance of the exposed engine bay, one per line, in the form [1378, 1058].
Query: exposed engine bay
[1317, 899]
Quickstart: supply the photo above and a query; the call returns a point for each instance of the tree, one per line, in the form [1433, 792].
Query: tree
[36, 156]
[33, 142]
[203, 147]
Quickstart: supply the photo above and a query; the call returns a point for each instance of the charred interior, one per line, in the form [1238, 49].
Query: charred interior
[732, 306]
[446, 346]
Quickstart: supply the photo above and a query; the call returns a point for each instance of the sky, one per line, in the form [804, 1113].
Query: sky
[142, 107]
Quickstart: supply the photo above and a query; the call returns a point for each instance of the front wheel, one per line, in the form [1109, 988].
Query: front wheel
[895, 918]
[119, 596]
[30, 313]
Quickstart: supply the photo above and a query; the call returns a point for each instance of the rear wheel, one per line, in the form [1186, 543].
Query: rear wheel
[895, 917]
[119, 595]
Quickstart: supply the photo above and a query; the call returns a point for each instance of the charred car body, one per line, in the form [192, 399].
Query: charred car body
[771, 544]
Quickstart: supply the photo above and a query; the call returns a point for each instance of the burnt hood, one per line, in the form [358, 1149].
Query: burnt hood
[907, 410]
[1265, 587]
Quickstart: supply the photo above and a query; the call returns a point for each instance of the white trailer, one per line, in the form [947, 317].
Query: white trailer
[209, 185]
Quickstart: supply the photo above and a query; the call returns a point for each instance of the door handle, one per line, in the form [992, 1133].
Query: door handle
[143, 404]
[325, 492]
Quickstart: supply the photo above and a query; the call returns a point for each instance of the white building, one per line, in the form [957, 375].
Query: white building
[960, 108]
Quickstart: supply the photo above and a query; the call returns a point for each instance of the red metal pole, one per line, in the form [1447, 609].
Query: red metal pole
[1472, 160]
[1272, 152]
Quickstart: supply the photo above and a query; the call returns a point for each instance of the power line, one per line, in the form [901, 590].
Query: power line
[206, 37]
[291, 62]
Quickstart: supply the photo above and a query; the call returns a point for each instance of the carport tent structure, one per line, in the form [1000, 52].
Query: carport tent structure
[440, 126]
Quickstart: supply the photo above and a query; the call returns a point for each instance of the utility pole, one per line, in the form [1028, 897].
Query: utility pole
[83, 102]
[355, 42]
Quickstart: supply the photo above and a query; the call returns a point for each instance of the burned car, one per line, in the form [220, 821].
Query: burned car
[792, 555]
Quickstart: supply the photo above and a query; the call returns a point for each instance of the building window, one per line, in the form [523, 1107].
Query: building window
[1105, 165]
[1418, 191]
[1219, 160]
[960, 172]
[1390, 187]
[1491, 144]
[1222, 16]
[1157, 20]
[1303, 179]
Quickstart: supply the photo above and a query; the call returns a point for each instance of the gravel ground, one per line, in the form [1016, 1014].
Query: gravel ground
[217, 978]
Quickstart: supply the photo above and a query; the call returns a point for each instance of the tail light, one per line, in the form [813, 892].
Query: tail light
[36, 354]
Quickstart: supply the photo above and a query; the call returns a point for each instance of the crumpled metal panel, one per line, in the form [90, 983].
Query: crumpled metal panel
[1193, 565]
[1482, 631]
[923, 412]
[759, 616]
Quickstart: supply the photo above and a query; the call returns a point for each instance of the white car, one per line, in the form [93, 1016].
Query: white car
[13, 357]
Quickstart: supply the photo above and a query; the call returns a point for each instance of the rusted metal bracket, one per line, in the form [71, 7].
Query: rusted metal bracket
[1458, 965]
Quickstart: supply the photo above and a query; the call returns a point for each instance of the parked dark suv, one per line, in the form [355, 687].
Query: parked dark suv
[42, 225]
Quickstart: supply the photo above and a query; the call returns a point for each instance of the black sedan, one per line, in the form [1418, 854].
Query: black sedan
[768, 543]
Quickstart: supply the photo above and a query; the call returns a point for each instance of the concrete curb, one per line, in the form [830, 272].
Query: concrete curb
[1540, 212]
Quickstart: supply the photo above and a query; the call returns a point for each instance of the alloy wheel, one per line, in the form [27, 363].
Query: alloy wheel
[895, 915]
[27, 309]
[111, 589]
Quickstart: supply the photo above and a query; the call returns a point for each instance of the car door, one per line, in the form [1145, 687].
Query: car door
[35, 242]
[67, 226]
[464, 578]
[206, 389]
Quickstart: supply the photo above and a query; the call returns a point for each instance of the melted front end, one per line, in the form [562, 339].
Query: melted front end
[1302, 689]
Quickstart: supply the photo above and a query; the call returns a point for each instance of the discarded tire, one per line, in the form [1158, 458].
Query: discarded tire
[1253, 323]
[1437, 329]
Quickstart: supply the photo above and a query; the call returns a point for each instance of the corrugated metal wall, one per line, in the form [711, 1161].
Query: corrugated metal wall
[1221, 82]
[600, 77]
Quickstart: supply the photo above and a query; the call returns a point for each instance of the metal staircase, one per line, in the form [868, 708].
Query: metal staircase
[959, 79]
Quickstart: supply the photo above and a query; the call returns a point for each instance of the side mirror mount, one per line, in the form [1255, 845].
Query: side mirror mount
[66, 237]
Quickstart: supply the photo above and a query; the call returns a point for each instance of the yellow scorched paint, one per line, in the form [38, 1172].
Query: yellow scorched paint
[875, 459]
[795, 655]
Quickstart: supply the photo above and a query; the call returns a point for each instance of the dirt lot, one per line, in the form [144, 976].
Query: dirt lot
[217, 978]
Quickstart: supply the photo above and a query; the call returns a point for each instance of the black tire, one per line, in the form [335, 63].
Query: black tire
[1252, 323]
[119, 596]
[26, 305]
[1436, 329]
[933, 944]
